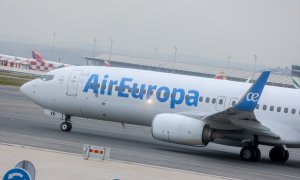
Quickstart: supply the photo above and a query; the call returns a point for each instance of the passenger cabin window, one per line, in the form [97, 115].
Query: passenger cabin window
[186, 96]
[200, 98]
[286, 110]
[257, 106]
[151, 92]
[264, 107]
[91, 86]
[233, 103]
[172, 95]
[158, 93]
[207, 100]
[117, 88]
[214, 100]
[293, 111]
[165, 94]
[271, 108]
[47, 77]
[221, 101]
[278, 109]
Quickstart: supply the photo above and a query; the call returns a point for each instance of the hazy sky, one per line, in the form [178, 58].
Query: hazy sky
[207, 28]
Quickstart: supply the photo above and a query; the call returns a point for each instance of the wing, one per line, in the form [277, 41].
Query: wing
[241, 116]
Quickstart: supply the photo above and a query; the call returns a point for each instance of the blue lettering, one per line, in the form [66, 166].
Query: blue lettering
[123, 87]
[150, 91]
[111, 86]
[136, 92]
[93, 79]
[192, 99]
[175, 100]
[162, 94]
[103, 84]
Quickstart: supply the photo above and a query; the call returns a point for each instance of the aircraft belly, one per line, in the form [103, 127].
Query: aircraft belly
[132, 113]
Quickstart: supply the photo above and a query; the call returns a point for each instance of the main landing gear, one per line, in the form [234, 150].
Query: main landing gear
[279, 154]
[250, 153]
[66, 126]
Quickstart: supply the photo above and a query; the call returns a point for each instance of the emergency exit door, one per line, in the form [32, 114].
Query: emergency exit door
[73, 83]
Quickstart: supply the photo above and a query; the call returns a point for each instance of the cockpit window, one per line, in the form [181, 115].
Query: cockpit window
[47, 77]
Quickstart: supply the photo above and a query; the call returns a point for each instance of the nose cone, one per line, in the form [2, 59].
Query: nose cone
[26, 89]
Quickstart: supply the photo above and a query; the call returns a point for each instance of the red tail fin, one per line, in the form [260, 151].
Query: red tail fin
[37, 56]
[106, 63]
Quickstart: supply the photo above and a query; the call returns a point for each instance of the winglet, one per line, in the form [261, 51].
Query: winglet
[249, 101]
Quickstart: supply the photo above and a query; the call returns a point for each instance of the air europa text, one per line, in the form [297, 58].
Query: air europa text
[128, 88]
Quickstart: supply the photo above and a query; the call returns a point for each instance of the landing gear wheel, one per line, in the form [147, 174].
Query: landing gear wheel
[258, 154]
[66, 126]
[250, 153]
[287, 155]
[279, 154]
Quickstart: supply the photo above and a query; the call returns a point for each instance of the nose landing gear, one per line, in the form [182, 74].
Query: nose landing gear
[66, 126]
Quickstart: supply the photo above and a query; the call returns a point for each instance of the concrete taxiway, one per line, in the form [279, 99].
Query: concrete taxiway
[51, 165]
[22, 122]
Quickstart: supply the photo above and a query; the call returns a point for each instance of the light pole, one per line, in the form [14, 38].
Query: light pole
[174, 60]
[52, 51]
[155, 52]
[228, 61]
[254, 67]
[94, 47]
[111, 44]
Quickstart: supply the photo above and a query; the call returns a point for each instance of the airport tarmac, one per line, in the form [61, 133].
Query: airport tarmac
[23, 122]
[51, 165]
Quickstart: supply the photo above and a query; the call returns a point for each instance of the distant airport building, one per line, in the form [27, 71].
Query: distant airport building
[14, 63]
[186, 69]
[295, 71]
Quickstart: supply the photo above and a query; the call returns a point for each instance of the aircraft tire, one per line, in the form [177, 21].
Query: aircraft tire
[279, 154]
[66, 126]
[250, 153]
[287, 155]
[257, 154]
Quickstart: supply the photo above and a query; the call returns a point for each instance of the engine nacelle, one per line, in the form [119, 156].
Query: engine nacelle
[180, 129]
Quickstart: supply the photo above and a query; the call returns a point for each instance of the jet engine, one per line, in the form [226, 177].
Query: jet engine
[181, 129]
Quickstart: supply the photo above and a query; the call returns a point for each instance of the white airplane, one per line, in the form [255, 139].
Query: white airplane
[180, 109]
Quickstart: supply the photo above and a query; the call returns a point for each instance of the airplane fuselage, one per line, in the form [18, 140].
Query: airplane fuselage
[137, 96]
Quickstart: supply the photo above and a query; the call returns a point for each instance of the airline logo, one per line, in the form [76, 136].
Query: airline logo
[127, 88]
[253, 97]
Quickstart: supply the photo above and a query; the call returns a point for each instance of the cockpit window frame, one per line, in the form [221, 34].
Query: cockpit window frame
[47, 77]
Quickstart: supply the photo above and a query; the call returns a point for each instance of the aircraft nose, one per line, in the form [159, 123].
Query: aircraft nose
[26, 88]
